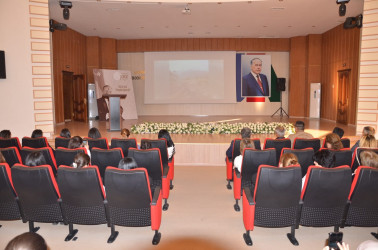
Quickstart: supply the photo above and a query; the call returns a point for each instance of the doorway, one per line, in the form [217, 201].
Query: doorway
[74, 97]
[343, 96]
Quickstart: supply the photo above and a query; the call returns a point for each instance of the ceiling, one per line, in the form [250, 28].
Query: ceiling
[248, 19]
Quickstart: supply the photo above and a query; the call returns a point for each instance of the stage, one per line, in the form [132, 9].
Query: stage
[208, 149]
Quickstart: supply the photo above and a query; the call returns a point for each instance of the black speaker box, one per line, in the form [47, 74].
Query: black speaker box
[2, 65]
[281, 84]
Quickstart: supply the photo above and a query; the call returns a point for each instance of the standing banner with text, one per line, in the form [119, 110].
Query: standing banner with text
[115, 82]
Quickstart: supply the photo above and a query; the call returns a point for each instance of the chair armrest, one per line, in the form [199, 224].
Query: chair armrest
[165, 171]
[237, 173]
[248, 195]
[155, 198]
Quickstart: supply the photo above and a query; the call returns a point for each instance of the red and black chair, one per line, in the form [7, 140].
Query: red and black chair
[124, 144]
[10, 142]
[38, 194]
[342, 156]
[345, 142]
[278, 145]
[274, 201]
[11, 155]
[356, 160]
[83, 198]
[362, 208]
[39, 142]
[61, 142]
[324, 197]
[252, 159]
[9, 207]
[105, 157]
[150, 159]
[230, 162]
[257, 143]
[97, 143]
[131, 202]
[304, 157]
[301, 143]
[65, 156]
[46, 152]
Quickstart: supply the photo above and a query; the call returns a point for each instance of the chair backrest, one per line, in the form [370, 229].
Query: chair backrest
[129, 196]
[11, 142]
[342, 156]
[83, 195]
[39, 142]
[356, 159]
[125, 144]
[97, 143]
[61, 142]
[46, 152]
[65, 156]
[304, 157]
[325, 194]
[106, 157]
[363, 198]
[301, 143]
[11, 155]
[276, 195]
[161, 144]
[252, 159]
[149, 159]
[257, 143]
[345, 142]
[38, 193]
[278, 145]
[8, 204]
[236, 148]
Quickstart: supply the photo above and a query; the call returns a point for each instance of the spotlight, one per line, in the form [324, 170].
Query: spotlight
[56, 26]
[342, 8]
[66, 5]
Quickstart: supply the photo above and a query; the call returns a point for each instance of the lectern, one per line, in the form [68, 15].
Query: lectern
[114, 111]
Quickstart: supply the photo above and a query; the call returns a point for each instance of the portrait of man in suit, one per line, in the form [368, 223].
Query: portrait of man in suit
[255, 83]
[103, 104]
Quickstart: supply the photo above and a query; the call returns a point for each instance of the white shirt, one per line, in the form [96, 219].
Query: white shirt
[238, 162]
[170, 151]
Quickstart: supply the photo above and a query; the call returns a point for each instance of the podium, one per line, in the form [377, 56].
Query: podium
[114, 111]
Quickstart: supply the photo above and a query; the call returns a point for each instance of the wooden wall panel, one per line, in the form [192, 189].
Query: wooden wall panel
[314, 62]
[108, 53]
[93, 56]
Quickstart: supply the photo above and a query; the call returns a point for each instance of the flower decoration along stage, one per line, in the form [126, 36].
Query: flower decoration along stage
[210, 127]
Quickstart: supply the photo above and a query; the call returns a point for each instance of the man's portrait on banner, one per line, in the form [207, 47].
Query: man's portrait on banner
[256, 71]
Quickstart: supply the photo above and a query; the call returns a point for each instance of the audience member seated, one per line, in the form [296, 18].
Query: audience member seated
[369, 159]
[338, 131]
[245, 143]
[27, 241]
[163, 133]
[299, 132]
[6, 134]
[65, 132]
[145, 145]
[245, 134]
[322, 158]
[280, 132]
[2, 159]
[37, 133]
[125, 133]
[333, 141]
[366, 131]
[287, 160]
[77, 142]
[127, 163]
[94, 133]
[81, 160]
[368, 141]
[35, 159]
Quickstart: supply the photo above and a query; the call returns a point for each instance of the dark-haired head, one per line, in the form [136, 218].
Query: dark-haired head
[37, 133]
[35, 159]
[338, 131]
[6, 134]
[145, 145]
[333, 141]
[75, 142]
[299, 125]
[81, 160]
[29, 240]
[94, 133]
[125, 132]
[65, 133]
[127, 163]
[163, 133]
[245, 132]
[324, 158]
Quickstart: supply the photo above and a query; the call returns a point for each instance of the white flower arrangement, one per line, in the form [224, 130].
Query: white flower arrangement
[210, 128]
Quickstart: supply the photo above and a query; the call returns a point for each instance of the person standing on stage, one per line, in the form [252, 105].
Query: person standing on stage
[255, 83]
[103, 104]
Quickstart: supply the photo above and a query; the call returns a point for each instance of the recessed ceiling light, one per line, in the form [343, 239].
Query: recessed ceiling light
[278, 8]
[289, 26]
[208, 33]
[190, 33]
[113, 9]
[118, 28]
[141, 27]
[265, 26]
[313, 26]
[238, 26]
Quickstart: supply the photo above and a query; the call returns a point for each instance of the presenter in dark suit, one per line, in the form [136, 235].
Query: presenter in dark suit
[103, 104]
[255, 84]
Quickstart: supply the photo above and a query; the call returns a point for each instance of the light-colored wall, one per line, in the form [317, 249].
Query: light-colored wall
[135, 63]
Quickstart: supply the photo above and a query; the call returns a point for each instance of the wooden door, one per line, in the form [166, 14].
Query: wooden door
[343, 96]
[67, 95]
[80, 92]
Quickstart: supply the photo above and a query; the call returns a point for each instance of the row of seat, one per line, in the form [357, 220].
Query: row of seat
[78, 197]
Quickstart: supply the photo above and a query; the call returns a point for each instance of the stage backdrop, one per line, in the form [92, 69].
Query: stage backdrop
[119, 82]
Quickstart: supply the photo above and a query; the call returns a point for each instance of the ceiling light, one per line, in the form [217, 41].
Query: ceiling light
[186, 10]
[66, 5]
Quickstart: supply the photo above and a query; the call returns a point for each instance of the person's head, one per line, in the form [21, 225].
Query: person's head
[324, 158]
[2, 159]
[246, 143]
[37, 133]
[256, 65]
[106, 90]
[332, 141]
[35, 159]
[368, 141]
[299, 126]
[75, 142]
[94, 133]
[81, 160]
[127, 163]
[65, 133]
[369, 158]
[368, 131]
[27, 241]
[6, 134]
[163, 133]
[288, 159]
[125, 132]
[279, 131]
[145, 145]
[338, 131]
[245, 133]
